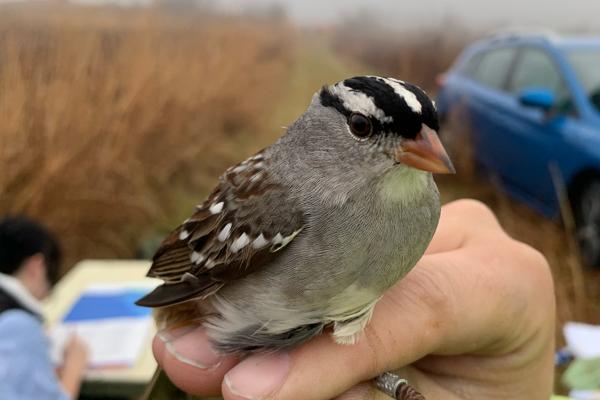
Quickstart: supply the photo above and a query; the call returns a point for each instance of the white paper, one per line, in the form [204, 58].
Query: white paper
[117, 287]
[582, 339]
[584, 395]
[117, 341]
[114, 342]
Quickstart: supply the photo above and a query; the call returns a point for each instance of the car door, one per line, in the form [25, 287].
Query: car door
[489, 104]
[531, 138]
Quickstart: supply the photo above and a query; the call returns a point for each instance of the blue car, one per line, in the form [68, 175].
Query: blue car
[531, 103]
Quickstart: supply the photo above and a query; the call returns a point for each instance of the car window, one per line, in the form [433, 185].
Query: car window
[493, 67]
[470, 66]
[586, 63]
[535, 69]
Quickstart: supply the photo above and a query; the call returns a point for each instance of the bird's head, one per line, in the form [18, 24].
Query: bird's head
[380, 122]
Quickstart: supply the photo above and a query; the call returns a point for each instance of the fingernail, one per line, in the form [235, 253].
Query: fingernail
[168, 335]
[191, 346]
[258, 376]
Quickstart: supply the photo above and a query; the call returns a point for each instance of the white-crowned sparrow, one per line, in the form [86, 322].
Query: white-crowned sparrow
[312, 230]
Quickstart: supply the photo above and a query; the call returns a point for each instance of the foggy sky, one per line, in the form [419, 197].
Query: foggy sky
[570, 15]
[563, 16]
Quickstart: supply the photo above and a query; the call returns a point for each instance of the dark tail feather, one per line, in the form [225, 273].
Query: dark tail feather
[172, 293]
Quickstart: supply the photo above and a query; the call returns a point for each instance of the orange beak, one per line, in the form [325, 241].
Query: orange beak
[425, 152]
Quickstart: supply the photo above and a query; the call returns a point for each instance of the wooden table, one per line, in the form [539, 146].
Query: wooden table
[117, 382]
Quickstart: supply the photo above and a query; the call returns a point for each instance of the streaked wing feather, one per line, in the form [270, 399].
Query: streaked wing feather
[230, 234]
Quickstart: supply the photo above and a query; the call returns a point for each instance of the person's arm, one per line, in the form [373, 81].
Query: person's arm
[474, 319]
[26, 371]
[73, 369]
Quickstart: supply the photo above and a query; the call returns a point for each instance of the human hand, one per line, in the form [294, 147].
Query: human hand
[75, 361]
[76, 353]
[473, 319]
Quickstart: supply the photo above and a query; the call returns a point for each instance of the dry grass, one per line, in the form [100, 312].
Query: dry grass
[110, 119]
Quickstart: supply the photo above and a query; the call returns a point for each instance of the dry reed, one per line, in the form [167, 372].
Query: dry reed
[110, 118]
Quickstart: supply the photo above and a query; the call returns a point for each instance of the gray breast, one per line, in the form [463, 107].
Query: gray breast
[380, 238]
[361, 247]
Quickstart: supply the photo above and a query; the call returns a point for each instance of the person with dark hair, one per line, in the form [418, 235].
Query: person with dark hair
[29, 262]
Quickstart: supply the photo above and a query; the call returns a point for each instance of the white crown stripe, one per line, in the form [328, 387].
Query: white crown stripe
[358, 102]
[409, 97]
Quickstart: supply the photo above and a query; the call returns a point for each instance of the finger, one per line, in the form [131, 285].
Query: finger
[190, 362]
[158, 349]
[362, 391]
[81, 342]
[72, 339]
[459, 220]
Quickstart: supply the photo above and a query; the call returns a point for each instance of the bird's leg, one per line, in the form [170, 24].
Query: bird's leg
[396, 387]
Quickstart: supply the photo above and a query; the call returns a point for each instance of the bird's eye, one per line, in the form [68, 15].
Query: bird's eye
[360, 125]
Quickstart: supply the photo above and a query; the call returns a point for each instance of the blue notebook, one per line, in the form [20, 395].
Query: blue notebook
[95, 305]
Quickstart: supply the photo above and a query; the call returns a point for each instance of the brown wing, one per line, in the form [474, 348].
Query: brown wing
[239, 228]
